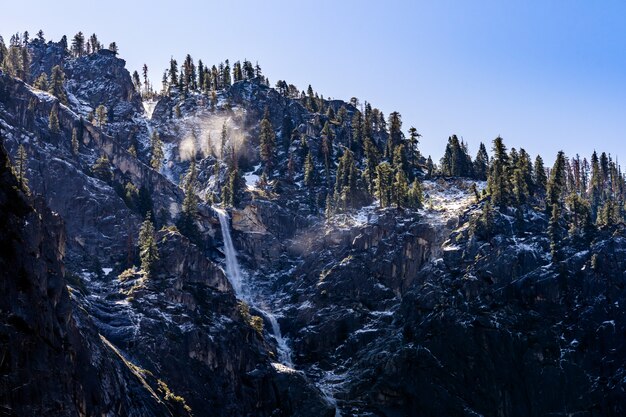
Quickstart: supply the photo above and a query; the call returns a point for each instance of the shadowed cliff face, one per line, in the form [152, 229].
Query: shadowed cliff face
[52, 361]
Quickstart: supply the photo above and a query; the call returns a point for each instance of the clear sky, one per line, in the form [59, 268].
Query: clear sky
[545, 75]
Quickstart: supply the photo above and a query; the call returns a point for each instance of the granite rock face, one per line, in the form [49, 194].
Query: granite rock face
[380, 312]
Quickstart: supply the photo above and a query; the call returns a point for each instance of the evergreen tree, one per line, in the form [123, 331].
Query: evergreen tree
[430, 167]
[415, 195]
[609, 214]
[384, 184]
[148, 250]
[101, 115]
[356, 137]
[372, 157]
[554, 232]
[400, 189]
[395, 133]
[481, 163]
[596, 185]
[102, 169]
[201, 74]
[346, 182]
[136, 81]
[412, 150]
[399, 159]
[113, 48]
[556, 184]
[186, 222]
[456, 162]
[310, 178]
[580, 215]
[267, 140]
[484, 226]
[20, 168]
[223, 141]
[540, 180]
[173, 72]
[520, 188]
[75, 142]
[53, 120]
[55, 87]
[146, 82]
[189, 74]
[41, 83]
[524, 165]
[156, 151]
[498, 183]
[78, 44]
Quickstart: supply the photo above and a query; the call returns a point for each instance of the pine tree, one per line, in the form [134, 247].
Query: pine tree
[395, 133]
[267, 140]
[136, 81]
[556, 184]
[101, 115]
[53, 120]
[400, 189]
[456, 162]
[20, 168]
[186, 221]
[430, 167]
[41, 83]
[75, 142]
[148, 250]
[55, 87]
[372, 157]
[580, 215]
[540, 180]
[346, 182]
[310, 178]
[102, 169]
[412, 150]
[173, 72]
[554, 233]
[596, 184]
[484, 226]
[223, 141]
[78, 44]
[399, 159]
[113, 48]
[520, 188]
[415, 195]
[498, 183]
[146, 83]
[384, 184]
[156, 151]
[526, 169]
[481, 163]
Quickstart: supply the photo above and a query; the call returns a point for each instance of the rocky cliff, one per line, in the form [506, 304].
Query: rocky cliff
[370, 312]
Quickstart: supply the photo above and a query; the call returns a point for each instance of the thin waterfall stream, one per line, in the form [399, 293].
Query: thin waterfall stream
[235, 276]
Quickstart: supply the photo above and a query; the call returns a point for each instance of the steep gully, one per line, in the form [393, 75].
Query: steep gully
[244, 292]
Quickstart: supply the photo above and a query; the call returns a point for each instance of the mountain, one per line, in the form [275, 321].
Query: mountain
[306, 259]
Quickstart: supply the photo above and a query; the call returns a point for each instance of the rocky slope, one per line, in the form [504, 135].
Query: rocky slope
[383, 312]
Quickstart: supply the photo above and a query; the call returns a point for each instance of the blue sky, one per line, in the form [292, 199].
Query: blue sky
[545, 75]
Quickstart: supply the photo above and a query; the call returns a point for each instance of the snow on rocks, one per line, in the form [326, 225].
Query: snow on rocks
[445, 200]
[252, 178]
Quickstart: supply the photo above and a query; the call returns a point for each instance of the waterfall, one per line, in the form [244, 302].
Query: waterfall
[233, 272]
[235, 276]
